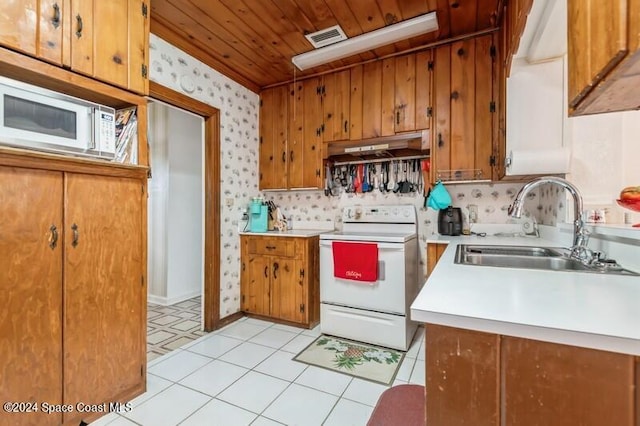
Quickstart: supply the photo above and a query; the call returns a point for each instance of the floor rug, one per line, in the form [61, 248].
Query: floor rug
[358, 359]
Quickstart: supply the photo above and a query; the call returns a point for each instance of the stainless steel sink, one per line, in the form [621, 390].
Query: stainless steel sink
[545, 258]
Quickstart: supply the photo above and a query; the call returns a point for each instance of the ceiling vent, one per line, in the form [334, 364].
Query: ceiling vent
[326, 37]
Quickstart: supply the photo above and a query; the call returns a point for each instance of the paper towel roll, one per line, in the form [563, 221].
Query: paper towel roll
[543, 161]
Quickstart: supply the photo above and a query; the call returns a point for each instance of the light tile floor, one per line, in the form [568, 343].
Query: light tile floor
[244, 374]
[171, 327]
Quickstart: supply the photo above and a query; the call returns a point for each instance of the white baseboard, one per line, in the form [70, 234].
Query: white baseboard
[166, 301]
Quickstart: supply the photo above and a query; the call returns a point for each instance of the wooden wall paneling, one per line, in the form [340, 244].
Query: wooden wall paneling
[82, 46]
[267, 118]
[111, 30]
[296, 135]
[552, 384]
[405, 93]
[312, 149]
[500, 117]
[463, 105]
[483, 98]
[356, 103]
[18, 26]
[463, 17]
[463, 376]
[31, 292]
[441, 151]
[424, 104]
[328, 95]
[371, 99]
[103, 288]
[50, 29]
[388, 111]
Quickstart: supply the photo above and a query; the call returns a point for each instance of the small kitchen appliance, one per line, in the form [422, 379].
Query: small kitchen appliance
[450, 221]
[258, 215]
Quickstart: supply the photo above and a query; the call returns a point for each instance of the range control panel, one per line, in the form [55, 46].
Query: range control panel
[379, 214]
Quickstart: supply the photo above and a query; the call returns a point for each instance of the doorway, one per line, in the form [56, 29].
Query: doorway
[210, 300]
[175, 228]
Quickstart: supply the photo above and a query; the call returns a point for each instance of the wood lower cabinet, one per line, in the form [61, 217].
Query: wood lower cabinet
[72, 282]
[31, 292]
[476, 378]
[106, 40]
[279, 278]
[434, 252]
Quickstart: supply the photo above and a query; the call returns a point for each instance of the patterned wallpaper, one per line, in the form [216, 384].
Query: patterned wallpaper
[239, 161]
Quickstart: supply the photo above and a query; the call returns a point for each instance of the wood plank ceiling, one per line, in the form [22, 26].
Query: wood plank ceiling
[252, 41]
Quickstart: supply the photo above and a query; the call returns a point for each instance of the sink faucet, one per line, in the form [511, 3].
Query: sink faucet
[580, 234]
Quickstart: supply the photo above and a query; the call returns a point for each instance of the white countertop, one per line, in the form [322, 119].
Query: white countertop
[575, 308]
[289, 233]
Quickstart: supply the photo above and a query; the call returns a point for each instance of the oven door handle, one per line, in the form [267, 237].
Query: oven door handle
[381, 246]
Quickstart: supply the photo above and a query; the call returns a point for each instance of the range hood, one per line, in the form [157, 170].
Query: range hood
[398, 145]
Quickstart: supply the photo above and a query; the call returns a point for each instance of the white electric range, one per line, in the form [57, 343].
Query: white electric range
[375, 312]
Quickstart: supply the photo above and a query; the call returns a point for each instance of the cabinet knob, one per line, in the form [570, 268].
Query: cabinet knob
[79, 26]
[440, 140]
[275, 270]
[55, 21]
[76, 235]
[266, 272]
[53, 239]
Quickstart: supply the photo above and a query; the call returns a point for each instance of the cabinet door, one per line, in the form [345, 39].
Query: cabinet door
[139, 23]
[336, 103]
[405, 93]
[111, 41]
[462, 377]
[424, 107]
[464, 105]
[355, 106]
[312, 129]
[34, 27]
[288, 293]
[31, 292]
[104, 315]
[434, 252]
[82, 33]
[371, 99]
[296, 135]
[551, 384]
[595, 44]
[255, 289]
[273, 138]
[388, 102]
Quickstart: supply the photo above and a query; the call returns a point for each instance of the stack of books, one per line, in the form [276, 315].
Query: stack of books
[126, 136]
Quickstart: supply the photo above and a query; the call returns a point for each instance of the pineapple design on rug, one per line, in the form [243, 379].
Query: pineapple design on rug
[362, 360]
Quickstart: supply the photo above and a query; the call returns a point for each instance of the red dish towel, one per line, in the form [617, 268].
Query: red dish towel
[355, 261]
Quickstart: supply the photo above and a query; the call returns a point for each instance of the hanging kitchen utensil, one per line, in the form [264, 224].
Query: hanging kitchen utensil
[406, 185]
[365, 181]
[357, 182]
[327, 181]
[396, 185]
[382, 186]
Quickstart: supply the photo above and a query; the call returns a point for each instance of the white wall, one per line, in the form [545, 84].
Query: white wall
[175, 205]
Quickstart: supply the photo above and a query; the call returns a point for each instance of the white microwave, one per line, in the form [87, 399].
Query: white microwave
[36, 118]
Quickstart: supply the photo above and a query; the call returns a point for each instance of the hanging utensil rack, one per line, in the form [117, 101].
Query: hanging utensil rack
[380, 160]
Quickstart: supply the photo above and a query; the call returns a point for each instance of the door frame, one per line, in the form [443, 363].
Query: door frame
[211, 260]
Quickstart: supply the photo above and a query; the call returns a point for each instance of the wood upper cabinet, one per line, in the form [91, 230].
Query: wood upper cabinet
[273, 138]
[279, 278]
[31, 292]
[391, 96]
[291, 136]
[71, 276]
[106, 40]
[34, 27]
[336, 91]
[462, 147]
[604, 56]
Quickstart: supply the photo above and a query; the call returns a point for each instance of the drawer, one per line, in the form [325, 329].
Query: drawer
[276, 246]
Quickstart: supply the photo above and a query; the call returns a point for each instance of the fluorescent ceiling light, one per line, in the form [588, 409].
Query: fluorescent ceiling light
[381, 37]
